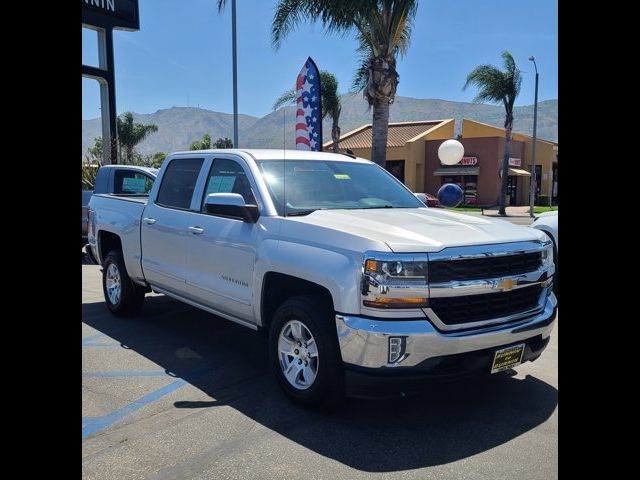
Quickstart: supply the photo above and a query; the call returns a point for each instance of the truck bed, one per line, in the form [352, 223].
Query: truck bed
[120, 215]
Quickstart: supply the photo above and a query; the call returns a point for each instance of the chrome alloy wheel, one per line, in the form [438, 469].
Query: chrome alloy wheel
[298, 354]
[114, 284]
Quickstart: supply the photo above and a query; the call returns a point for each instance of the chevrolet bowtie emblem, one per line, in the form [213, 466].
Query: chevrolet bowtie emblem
[506, 284]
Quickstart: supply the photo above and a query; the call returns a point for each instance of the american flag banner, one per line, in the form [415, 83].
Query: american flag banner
[309, 109]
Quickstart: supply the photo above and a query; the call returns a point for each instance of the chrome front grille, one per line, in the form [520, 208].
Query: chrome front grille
[481, 268]
[478, 308]
[478, 286]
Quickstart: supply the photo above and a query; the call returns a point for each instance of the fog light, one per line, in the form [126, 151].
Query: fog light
[397, 347]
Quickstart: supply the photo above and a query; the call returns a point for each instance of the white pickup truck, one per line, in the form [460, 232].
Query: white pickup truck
[355, 280]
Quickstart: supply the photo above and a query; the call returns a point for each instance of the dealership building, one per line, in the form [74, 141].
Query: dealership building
[412, 156]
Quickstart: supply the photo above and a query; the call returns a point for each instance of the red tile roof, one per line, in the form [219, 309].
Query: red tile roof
[399, 135]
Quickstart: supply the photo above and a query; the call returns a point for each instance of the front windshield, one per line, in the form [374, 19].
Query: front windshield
[304, 186]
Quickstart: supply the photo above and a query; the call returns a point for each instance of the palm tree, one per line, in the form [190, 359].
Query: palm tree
[331, 105]
[499, 86]
[383, 29]
[131, 134]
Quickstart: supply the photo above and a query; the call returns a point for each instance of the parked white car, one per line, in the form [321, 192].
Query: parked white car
[548, 223]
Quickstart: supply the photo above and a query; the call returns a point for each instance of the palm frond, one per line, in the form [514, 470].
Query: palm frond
[331, 104]
[490, 83]
[361, 75]
[286, 98]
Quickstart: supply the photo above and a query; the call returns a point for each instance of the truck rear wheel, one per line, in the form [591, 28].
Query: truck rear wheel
[123, 297]
[304, 352]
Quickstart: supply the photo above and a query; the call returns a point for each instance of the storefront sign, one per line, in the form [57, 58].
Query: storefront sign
[119, 14]
[515, 162]
[469, 161]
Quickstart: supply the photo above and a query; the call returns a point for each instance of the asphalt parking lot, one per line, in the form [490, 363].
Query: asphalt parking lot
[181, 394]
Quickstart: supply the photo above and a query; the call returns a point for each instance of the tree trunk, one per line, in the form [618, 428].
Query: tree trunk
[335, 136]
[505, 170]
[379, 133]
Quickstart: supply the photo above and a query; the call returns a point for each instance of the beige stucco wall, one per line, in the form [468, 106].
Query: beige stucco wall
[413, 153]
[546, 154]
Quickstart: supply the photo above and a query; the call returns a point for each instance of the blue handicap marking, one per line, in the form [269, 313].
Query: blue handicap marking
[157, 373]
[91, 425]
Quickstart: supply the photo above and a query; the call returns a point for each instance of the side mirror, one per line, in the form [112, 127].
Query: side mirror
[231, 205]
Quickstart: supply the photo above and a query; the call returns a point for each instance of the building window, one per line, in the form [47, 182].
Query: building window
[396, 168]
[469, 185]
[538, 181]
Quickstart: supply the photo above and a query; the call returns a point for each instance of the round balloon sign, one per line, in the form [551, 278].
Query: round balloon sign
[450, 152]
[450, 195]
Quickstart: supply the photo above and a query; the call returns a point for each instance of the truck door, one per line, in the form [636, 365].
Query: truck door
[221, 251]
[165, 222]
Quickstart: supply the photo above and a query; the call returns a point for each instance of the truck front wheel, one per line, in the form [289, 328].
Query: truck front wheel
[123, 297]
[304, 352]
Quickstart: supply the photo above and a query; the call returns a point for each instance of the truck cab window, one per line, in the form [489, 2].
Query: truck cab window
[227, 176]
[178, 182]
[132, 182]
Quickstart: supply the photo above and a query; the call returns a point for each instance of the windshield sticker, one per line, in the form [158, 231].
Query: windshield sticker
[342, 176]
[221, 184]
[134, 185]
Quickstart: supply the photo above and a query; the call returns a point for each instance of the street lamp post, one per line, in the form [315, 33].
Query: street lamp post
[235, 74]
[532, 181]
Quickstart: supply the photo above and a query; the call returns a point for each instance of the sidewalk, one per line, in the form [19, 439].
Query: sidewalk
[511, 212]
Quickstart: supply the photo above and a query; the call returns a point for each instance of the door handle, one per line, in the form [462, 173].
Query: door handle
[196, 230]
[149, 221]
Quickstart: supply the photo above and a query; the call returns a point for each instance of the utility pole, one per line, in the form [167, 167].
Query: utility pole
[532, 182]
[235, 74]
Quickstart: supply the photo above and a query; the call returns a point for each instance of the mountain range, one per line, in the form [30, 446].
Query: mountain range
[178, 127]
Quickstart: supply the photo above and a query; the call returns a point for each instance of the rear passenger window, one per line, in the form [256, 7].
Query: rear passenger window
[132, 182]
[178, 182]
[227, 176]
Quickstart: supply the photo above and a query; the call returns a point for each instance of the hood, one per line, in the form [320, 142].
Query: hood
[420, 229]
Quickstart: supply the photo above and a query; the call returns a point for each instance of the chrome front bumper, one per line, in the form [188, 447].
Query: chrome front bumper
[364, 342]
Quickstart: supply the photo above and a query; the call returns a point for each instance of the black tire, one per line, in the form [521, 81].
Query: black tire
[327, 390]
[131, 296]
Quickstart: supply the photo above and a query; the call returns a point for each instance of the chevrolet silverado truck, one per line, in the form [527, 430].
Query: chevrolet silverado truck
[353, 278]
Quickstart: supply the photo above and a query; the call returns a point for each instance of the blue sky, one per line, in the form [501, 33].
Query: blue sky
[182, 54]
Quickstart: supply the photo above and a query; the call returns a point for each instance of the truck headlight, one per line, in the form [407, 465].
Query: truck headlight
[547, 255]
[397, 283]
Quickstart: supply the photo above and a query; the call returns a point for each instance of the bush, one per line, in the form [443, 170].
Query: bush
[542, 201]
[89, 172]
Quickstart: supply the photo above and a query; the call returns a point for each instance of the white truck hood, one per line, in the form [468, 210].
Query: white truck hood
[420, 229]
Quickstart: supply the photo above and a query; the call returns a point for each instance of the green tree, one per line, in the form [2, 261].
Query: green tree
[204, 144]
[157, 159]
[499, 86]
[131, 134]
[94, 154]
[224, 143]
[383, 30]
[331, 105]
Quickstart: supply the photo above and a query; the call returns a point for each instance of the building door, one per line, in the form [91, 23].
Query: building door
[512, 190]
[396, 168]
